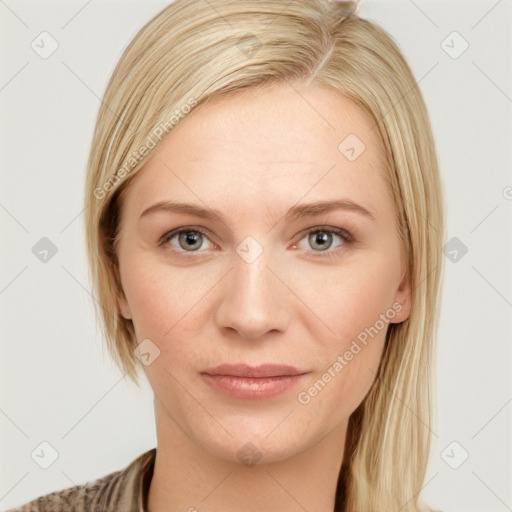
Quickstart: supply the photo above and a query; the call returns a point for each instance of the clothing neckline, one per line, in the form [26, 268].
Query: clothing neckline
[147, 461]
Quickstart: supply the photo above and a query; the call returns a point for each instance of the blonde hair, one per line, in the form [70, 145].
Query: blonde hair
[193, 52]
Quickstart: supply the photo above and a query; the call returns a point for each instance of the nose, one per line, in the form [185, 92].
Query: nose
[254, 300]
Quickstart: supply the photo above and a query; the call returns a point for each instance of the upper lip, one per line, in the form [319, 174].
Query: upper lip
[246, 370]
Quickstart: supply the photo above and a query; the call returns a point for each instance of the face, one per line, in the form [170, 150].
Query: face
[238, 267]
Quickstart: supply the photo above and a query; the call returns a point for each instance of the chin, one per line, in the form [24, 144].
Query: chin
[253, 450]
[257, 442]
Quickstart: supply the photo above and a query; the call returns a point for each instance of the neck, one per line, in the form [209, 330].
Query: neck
[187, 477]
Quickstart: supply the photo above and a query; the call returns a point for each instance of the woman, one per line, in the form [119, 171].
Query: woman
[264, 226]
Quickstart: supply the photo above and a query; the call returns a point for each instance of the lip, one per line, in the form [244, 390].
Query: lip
[246, 370]
[245, 381]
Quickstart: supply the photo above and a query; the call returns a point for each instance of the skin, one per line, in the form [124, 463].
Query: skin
[253, 156]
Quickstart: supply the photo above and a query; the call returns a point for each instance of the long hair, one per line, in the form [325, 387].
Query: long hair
[195, 51]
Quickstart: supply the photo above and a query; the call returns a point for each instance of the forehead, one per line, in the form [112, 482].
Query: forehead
[272, 145]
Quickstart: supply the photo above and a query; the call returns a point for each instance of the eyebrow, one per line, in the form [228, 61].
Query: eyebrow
[294, 213]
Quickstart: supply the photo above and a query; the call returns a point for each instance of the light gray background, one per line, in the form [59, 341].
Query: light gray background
[56, 384]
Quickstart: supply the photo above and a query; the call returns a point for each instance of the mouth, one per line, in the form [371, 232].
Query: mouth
[263, 370]
[245, 381]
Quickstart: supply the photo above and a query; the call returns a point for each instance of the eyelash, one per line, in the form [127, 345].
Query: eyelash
[345, 235]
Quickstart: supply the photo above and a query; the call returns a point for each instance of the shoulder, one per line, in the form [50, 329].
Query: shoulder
[79, 497]
[120, 490]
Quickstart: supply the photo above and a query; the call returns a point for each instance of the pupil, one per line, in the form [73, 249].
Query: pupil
[191, 240]
[322, 239]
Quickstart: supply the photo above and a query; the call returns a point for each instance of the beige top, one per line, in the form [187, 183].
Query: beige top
[122, 491]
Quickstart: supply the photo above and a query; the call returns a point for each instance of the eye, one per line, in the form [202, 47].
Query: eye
[185, 240]
[321, 239]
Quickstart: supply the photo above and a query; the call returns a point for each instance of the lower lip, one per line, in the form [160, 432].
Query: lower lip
[249, 387]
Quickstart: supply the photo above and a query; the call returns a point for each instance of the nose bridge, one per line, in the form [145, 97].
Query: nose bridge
[251, 277]
[251, 302]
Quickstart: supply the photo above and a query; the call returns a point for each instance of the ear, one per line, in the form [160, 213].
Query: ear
[402, 303]
[123, 307]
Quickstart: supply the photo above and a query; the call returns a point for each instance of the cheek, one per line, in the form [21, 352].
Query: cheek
[343, 302]
[165, 302]
[354, 307]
